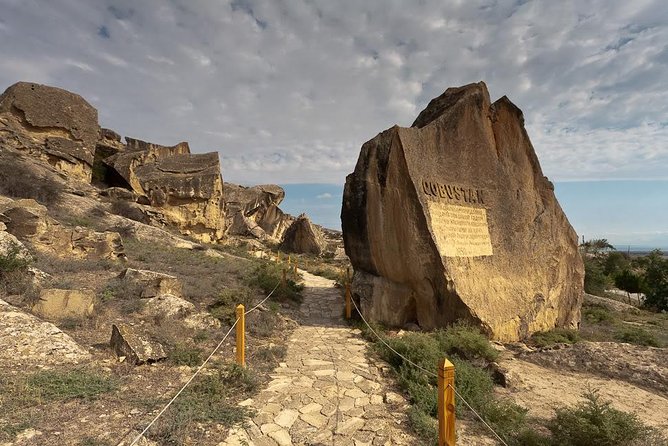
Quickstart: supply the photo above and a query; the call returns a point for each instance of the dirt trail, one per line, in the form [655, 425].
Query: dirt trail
[327, 392]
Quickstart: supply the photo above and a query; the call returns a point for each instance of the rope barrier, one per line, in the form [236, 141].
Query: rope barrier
[199, 369]
[429, 372]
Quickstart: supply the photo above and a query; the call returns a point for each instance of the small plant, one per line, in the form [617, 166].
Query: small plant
[269, 277]
[182, 354]
[597, 314]
[549, 338]
[224, 308]
[467, 342]
[596, 422]
[638, 336]
[53, 385]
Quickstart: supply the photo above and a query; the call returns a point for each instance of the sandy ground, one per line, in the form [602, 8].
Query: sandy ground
[541, 389]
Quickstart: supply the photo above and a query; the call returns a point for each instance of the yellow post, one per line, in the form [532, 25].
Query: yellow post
[241, 340]
[278, 256]
[284, 280]
[289, 260]
[446, 403]
[348, 298]
[295, 269]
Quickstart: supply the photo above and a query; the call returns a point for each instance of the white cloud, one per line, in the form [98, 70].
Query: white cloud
[324, 196]
[288, 92]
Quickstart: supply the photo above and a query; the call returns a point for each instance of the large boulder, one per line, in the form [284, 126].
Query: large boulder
[452, 219]
[135, 347]
[303, 237]
[186, 188]
[253, 211]
[151, 283]
[56, 125]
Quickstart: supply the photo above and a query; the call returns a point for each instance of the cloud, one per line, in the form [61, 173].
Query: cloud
[324, 196]
[289, 91]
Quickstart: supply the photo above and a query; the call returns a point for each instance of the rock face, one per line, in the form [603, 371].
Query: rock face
[150, 283]
[57, 126]
[453, 219]
[253, 211]
[187, 188]
[303, 237]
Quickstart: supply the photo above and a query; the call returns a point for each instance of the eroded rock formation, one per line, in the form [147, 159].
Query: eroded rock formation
[254, 211]
[52, 124]
[304, 237]
[452, 219]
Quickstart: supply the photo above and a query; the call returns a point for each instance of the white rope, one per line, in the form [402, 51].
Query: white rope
[199, 369]
[478, 415]
[429, 372]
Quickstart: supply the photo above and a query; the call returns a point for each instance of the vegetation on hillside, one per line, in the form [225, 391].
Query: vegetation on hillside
[605, 268]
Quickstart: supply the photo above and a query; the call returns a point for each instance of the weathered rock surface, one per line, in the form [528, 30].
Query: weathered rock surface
[151, 283]
[51, 123]
[10, 245]
[303, 237]
[25, 340]
[253, 211]
[186, 188]
[453, 219]
[169, 306]
[29, 221]
[137, 349]
[58, 304]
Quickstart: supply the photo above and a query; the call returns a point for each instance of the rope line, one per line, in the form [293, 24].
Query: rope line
[478, 415]
[429, 372]
[199, 369]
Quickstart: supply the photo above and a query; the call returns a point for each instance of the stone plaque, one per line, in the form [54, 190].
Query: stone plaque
[460, 231]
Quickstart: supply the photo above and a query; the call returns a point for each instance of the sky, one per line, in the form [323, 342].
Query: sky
[288, 91]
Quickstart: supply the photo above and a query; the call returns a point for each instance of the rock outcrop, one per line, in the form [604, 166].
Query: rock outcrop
[452, 219]
[150, 284]
[29, 221]
[186, 188]
[25, 340]
[253, 211]
[52, 124]
[303, 237]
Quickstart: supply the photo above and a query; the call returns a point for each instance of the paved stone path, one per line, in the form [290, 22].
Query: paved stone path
[327, 392]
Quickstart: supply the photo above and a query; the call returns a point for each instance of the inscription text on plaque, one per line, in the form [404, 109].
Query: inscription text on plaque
[460, 231]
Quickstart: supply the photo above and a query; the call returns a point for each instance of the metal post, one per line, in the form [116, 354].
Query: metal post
[241, 339]
[348, 298]
[446, 403]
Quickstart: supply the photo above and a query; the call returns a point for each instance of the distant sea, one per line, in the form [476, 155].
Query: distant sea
[631, 215]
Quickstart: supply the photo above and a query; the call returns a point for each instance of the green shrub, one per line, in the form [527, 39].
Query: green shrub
[596, 422]
[267, 276]
[467, 342]
[183, 354]
[543, 339]
[638, 336]
[595, 281]
[597, 314]
[224, 307]
[13, 260]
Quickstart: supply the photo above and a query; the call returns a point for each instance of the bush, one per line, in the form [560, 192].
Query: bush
[182, 354]
[14, 275]
[267, 276]
[544, 339]
[53, 385]
[224, 308]
[596, 422]
[638, 336]
[597, 314]
[467, 342]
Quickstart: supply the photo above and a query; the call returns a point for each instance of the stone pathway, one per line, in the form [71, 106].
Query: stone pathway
[326, 392]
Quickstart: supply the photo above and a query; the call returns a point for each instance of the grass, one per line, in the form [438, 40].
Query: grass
[207, 399]
[184, 354]
[543, 339]
[638, 327]
[17, 180]
[269, 277]
[14, 275]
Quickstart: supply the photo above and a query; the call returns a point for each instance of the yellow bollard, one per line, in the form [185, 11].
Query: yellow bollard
[295, 270]
[446, 403]
[348, 298]
[289, 260]
[241, 340]
[278, 256]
